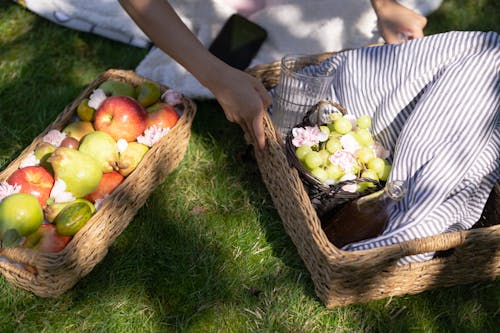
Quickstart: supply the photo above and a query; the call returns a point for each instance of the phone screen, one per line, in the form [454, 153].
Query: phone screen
[238, 41]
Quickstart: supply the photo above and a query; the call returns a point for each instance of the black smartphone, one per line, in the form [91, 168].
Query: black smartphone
[238, 41]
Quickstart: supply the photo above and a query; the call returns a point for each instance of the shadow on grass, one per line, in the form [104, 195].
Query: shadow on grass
[184, 278]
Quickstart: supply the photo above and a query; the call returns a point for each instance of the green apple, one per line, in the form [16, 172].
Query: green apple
[117, 88]
[313, 160]
[148, 93]
[302, 151]
[78, 129]
[21, 212]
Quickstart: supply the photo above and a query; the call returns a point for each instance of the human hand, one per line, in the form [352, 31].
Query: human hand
[244, 100]
[397, 23]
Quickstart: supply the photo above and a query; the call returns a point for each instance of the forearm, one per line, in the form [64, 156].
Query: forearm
[163, 26]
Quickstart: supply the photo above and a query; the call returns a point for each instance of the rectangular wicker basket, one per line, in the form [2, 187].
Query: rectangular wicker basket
[51, 274]
[343, 277]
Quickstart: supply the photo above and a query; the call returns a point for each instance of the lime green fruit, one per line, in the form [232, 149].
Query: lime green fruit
[376, 164]
[302, 151]
[325, 129]
[334, 171]
[365, 154]
[364, 121]
[117, 88]
[324, 155]
[367, 173]
[131, 157]
[320, 173]
[387, 171]
[78, 129]
[342, 125]
[84, 111]
[364, 136]
[148, 93]
[73, 217]
[21, 212]
[80, 172]
[102, 147]
[313, 160]
[333, 145]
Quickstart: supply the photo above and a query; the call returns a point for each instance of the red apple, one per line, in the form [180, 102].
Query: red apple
[108, 183]
[122, 117]
[162, 115]
[46, 239]
[34, 180]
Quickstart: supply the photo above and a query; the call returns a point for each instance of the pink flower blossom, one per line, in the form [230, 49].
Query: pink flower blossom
[172, 97]
[59, 194]
[54, 137]
[345, 160]
[349, 143]
[152, 135]
[380, 151]
[6, 189]
[30, 160]
[122, 145]
[308, 136]
[352, 119]
[96, 98]
[349, 187]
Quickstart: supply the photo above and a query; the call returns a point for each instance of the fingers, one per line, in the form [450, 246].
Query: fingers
[258, 130]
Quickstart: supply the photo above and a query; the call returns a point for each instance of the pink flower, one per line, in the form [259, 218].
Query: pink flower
[30, 160]
[349, 187]
[349, 143]
[380, 151]
[54, 137]
[6, 189]
[59, 194]
[345, 160]
[172, 97]
[152, 135]
[308, 136]
[96, 98]
[122, 145]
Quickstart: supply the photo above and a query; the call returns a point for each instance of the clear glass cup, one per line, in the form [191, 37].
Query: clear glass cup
[300, 87]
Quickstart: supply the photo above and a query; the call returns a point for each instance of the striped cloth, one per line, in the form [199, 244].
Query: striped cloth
[435, 105]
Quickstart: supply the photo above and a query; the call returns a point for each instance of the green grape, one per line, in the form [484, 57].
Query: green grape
[365, 154]
[342, 125]
[324, 155]
[302, 151]
[333, 145]
[376, 164]
[364, 121]
[387, 171]
[320, 173]
[364, 136]
[325, 129]
[368, 173]
[313, 160]
[334, 171]
[363, 186]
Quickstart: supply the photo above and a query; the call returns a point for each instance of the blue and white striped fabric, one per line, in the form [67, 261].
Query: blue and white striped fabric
[435, 105]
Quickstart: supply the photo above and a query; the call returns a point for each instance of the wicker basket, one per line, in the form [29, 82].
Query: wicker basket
[343, 277]
[324, 198]
[51, 274]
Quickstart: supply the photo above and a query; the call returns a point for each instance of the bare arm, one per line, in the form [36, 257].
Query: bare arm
[396, 22]
[242, 97]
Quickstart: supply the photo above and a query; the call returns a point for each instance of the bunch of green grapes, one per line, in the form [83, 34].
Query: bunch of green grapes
[349, 152]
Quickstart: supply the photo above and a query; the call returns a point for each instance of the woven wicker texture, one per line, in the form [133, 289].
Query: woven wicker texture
[342, 277]
[50, 275]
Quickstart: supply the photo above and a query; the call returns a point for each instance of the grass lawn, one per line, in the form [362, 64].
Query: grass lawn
[207, 252]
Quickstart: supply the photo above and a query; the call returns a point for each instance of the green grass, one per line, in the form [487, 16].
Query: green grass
[207, 252]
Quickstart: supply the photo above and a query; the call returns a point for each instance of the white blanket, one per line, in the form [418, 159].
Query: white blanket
[293, 26]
